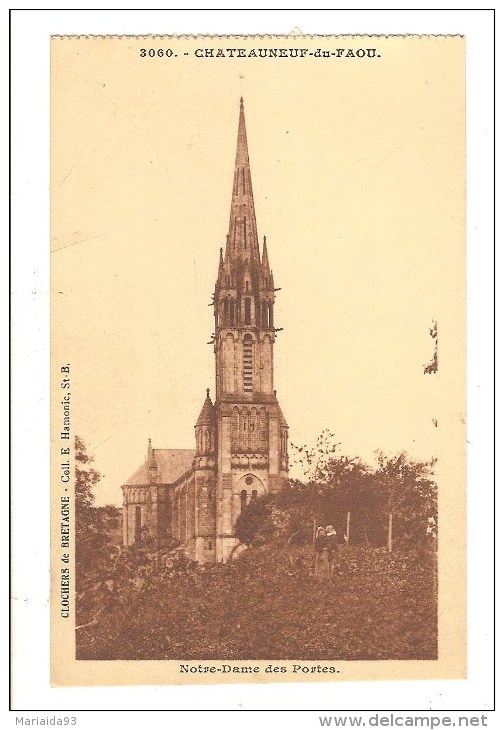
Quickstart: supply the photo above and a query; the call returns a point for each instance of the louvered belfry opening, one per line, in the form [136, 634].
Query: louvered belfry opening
[247, 364]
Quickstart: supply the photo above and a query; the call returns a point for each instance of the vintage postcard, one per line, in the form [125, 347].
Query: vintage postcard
[258, 358]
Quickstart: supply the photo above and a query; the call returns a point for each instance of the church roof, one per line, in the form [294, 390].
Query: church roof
[171, 463]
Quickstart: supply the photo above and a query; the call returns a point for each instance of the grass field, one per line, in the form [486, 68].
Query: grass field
[267, 605]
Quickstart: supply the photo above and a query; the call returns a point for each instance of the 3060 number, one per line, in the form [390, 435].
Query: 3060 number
[153, 52]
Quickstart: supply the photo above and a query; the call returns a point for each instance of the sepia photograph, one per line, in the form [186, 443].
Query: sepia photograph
[258, 358]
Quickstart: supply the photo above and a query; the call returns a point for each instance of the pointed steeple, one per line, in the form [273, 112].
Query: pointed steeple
[244, 292]
[266, 273]
[150, 454]
[151, 463]
[220, 274]
[206, 415]
[264, 258]
[242, 240]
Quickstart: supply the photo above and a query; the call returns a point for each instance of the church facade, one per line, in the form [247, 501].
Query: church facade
[196, 496]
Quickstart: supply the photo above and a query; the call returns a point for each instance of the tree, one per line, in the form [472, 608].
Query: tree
[254, 524]
[337, 485]
[407, 490]
[333, 483]
[93, 525]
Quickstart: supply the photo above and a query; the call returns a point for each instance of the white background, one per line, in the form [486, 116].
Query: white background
[30, 378]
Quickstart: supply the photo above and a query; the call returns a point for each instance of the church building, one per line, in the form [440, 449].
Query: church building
[196, 496]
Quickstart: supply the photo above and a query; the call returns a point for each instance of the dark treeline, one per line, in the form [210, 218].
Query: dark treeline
[355, 497]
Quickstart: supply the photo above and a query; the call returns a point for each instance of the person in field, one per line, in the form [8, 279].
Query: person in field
[322, 571]
[332, 545]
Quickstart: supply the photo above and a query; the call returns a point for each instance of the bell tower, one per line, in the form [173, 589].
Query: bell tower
[251, 432]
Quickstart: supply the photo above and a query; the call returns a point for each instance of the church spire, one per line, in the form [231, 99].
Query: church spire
[244, 292]
[242, 242]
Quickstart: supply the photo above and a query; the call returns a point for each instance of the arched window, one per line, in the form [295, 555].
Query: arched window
[235, 429]
[267, 364]
[254, 495]
[253, 429]
[232, 312]
[270, 314]
[243, 499]
[244, 429]
[226, 311]
[227, 360]
[247, 363]
[263, 429]
[265, 314]
[138, 522]
[247, 310]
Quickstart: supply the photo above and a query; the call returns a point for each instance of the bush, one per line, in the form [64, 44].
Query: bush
[268, 605]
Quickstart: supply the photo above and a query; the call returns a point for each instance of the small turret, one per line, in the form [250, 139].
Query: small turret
[151, 463]
[264, 257]
[221, 263]
[204, 428]
[266, 273]
[206, 414]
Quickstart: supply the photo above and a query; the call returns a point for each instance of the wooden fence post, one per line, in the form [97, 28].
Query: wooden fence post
[348, 528]
[389, 542]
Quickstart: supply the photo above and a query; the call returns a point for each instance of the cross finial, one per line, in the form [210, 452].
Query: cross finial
[208, 392]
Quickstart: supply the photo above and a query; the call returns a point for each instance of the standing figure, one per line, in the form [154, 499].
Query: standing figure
[322, 571]
[332, 546]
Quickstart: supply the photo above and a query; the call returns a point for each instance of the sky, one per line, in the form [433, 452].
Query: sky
[358, 175]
